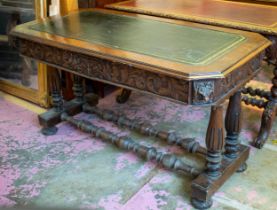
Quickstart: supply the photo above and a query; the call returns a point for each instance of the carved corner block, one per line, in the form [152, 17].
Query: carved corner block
[203, 91]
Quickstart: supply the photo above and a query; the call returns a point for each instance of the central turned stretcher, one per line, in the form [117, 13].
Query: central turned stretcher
[185, 62]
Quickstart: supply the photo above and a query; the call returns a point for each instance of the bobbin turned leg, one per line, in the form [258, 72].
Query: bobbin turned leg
[123, 96]
[214, 143]
[233, 128]
[268, 114]
[46, 120]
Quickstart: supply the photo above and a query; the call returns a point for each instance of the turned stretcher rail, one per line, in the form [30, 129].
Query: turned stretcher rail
[256, 92]
[168, 161]
[254, 102]
[189, 144]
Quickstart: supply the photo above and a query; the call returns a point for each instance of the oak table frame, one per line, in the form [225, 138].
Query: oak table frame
[181, 81]
[239, 15]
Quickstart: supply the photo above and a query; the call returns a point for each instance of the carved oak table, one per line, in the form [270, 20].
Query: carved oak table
[245, 16]
[185, 62]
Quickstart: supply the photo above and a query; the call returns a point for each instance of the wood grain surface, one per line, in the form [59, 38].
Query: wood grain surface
[241, 15]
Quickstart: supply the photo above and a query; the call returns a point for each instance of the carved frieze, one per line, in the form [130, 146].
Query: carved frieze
[188, 92]
[114, 72]
[239, 76]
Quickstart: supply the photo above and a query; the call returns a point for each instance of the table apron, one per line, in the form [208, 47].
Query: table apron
[195, 92]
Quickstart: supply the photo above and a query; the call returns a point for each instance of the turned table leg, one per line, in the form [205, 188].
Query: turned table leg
[123, 96]
[77, 88]
[52, 117]
[215, 144]
[233, 128]
[57, 101]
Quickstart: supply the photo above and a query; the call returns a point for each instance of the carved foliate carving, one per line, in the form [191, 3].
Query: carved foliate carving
[188, 92]
[239, 76]
[203, 91]
[108, 70]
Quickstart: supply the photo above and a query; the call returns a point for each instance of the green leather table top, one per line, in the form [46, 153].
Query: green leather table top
[169, 41]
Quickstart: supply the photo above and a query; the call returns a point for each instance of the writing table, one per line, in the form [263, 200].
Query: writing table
[246, 16]
[185, 62]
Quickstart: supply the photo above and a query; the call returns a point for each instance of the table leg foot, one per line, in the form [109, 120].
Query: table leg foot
[242, 168]
[266, 124]
[198, 204]
[49, 131]
[123, 96]
[204, 187]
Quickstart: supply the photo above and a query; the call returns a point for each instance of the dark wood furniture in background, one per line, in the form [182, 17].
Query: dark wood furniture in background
[206, 67]
[245, 16]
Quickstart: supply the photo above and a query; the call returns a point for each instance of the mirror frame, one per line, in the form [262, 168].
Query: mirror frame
[41, 95]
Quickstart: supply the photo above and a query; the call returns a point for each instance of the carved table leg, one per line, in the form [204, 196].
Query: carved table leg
[219, 167]
[215, 143]
[233, 128]
[49, 127]
[123, 96]
[52, 117]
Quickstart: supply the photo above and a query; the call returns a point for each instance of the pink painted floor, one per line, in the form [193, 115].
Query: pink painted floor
[72, 170]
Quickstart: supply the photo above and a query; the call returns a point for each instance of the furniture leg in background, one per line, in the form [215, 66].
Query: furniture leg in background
[268, 99]
[123, 96]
